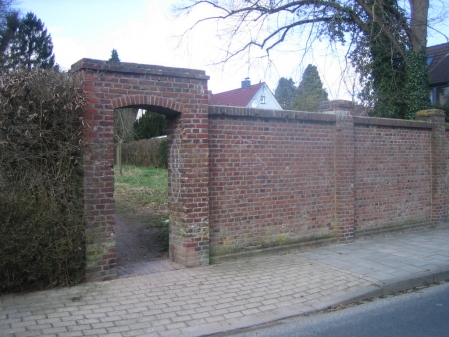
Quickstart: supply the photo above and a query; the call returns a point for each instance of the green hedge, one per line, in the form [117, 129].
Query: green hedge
[146, 153]
[41, 210]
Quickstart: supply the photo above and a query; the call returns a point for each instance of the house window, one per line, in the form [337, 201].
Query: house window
[443, 95]
[262, 99]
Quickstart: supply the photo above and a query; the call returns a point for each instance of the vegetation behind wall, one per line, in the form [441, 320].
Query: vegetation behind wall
[41, 209]
[146, 152]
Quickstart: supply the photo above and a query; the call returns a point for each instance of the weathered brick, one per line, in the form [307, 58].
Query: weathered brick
[145, 85]
[242, 179]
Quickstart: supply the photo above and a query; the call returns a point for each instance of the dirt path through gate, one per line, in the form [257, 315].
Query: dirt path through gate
[137, 241]
[140, 249]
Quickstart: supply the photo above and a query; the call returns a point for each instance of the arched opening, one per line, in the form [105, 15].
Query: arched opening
[141, 231]
[182, 96]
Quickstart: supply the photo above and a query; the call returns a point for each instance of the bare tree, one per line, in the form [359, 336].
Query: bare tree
[272, 22]
[123, 131]
[385, 28]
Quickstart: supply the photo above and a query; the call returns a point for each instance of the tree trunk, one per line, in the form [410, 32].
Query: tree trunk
[418, 24]
[119, 157]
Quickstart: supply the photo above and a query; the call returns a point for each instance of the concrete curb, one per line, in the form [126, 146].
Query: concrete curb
[394, 285]
[384, 288]
[441, 274]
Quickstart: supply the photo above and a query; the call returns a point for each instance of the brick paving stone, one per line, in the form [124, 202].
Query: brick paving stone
[49, 331]
[233, 315]
[171, 333]
[181, 318]
[215, 319]
[70, 334]
[39, 327]
[116, 329]
[161, 322]
[79, 327]
[111, 335]
[198, 322]
[48, 320]
[27, 334]
[94, 332]
[223, 306]
[201, 315]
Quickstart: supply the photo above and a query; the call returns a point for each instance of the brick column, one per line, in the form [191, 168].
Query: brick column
[344, 166]
[439, 155]
[189, 188]
[98, 164]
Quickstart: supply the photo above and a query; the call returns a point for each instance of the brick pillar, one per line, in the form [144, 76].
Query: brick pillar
[439, 155]
[189, 188]
[98, 164]
[344, 164]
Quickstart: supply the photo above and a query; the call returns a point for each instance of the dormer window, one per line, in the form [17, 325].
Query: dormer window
[262, 99]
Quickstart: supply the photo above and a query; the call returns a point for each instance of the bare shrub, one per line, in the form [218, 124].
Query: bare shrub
[41, 209]
[146, 152]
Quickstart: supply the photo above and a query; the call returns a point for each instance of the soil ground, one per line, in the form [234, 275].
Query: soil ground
[138, 241]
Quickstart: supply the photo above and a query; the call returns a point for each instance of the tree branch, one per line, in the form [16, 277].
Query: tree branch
[383, 28]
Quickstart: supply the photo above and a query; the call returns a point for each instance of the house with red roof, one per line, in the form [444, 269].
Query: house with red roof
[438, 62]
[257, 96]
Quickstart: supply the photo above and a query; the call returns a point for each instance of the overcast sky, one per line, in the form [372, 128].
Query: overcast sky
[144, 31]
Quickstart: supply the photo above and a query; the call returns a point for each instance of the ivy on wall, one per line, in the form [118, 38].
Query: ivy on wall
[416, 93]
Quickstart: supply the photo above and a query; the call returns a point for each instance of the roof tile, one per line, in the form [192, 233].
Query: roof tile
[439, 67]
[237, 97]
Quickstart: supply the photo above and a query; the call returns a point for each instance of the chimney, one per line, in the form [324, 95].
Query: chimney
[246, 83]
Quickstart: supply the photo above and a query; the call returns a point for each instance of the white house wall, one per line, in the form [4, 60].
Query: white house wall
[269, 102]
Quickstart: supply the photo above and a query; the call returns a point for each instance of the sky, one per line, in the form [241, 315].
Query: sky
[145, 31]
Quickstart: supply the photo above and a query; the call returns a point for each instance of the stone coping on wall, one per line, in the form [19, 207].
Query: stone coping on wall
[137, 68]
[392, 122]
[221, 110]
[314, 116]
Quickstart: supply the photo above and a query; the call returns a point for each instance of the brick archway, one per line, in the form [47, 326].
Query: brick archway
[180, 94]
[147, 100]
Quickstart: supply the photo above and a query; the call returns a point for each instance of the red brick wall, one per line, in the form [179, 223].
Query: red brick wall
[271, 179]
[244, 179]
[279, 178]
[393, 175]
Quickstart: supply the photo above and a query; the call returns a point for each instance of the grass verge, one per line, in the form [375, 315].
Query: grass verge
[141, 193]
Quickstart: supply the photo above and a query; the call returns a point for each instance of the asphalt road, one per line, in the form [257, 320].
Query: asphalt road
[422, 313]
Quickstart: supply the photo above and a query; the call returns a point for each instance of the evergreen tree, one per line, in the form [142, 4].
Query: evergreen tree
[285, 93]
[150, 125]
[6, 9]
[8, 29]
[310, 91]
[114, 56]
[31, 48]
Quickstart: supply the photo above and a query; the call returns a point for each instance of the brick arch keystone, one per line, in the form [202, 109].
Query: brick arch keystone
[110, 85]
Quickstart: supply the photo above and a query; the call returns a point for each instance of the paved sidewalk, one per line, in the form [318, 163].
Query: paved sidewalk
[145, 268]
[231, 295]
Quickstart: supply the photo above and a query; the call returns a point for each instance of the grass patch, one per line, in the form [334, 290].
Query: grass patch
[142, 193]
